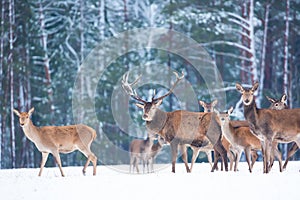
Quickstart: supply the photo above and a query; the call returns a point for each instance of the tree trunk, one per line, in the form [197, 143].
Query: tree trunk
[285, 54]
[1, 74]
[263, 54]
[286, 80]
[11, 72]
[46, 61]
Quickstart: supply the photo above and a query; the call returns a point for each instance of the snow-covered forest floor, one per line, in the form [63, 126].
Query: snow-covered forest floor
[111, 183]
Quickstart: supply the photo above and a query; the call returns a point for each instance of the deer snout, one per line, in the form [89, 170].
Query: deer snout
[146, 117]
[22, 124]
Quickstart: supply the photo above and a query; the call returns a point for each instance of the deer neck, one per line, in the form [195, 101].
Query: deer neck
[149, 141]
[31, 132]
[250, 113]
[227, 130]
[158, 122]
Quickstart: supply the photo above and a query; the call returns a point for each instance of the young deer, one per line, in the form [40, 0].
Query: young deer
[59, 139]
[209, 107]
[140, 150]
[178, 127]
[269, 125]
[242, 139]
[155, 149]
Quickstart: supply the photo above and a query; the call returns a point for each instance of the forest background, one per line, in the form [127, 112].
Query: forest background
[44, 42]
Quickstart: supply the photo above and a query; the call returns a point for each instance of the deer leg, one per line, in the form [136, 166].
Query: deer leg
[209, 158]
[248, 156]
[151, 164]
[272, 155]
[216, 158]
[220, 148]
[291, 152]
[184, 157]
[237, 159]
[174, 149]
[263, 150]
[268, 150]
[90, 158]
[194, 157]
[58, 161]
[136, 165]
[231, 159]
[254, 157]
[276, 153]
[131, 163]
[43, 162]
[215, 166]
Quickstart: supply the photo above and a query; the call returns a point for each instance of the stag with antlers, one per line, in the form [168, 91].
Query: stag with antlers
[178, 127]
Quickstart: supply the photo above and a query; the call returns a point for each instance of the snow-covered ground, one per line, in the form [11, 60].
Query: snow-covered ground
[111, 183]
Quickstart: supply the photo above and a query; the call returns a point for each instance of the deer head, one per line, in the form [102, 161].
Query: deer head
[24, 117]
[225, 116]
[278, 104]
[208, 107]
[149, 108]
[247, 93]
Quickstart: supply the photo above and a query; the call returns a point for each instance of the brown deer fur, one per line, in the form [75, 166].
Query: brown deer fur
[139, 150]
[59, 139]
[179, 127]
[269, 125]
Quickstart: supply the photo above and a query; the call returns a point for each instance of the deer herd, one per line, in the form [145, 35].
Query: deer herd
[208, 131]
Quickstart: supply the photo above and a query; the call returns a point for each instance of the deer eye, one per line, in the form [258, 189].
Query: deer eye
[276, 104]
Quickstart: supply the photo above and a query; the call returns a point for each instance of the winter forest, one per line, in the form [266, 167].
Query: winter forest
[44, 43]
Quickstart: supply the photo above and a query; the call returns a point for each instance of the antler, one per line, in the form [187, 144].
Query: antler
[128, 87]
[172, 88]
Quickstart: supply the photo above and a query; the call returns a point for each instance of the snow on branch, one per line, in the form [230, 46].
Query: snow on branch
[227, 43]
[241, 19]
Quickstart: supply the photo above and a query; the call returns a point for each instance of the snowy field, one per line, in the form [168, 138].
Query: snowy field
[112, 183]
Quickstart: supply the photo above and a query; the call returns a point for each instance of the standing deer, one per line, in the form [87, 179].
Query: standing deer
[178, 127]
[279, 104]
[269, 125]
[140, 150]
[155, 149]
[59, 139]
[209, 107]
[243, 140]
[241, 137]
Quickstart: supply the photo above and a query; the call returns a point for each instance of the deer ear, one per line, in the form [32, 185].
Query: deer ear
[214, 103]
[201, 103]
[31, 111]
[216, 111]
[139, 105]
[283, 98]
[16, 112]
[239, 87]
[270, 99]
[254, 87]
[230, 110]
